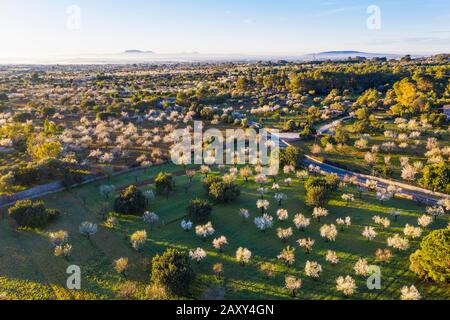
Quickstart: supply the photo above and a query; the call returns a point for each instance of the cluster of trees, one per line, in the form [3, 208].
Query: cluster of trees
[48, 169]
[222, 190]
[32, 214]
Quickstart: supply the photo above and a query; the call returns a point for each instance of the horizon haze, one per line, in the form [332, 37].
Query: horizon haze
[67, 30]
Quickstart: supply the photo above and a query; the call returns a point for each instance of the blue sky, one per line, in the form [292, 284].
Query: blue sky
[39, 28]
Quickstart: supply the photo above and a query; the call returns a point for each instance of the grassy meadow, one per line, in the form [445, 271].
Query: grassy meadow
[29, 270]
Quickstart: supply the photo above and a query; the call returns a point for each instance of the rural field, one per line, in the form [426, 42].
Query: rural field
[30, 271]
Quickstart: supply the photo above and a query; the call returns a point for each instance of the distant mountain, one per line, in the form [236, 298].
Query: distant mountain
[341, 52]
[137, 52]
[134, 56]
[345, 54]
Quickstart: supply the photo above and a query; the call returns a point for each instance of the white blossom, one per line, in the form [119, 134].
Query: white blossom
[410, 293]
[329, 232]
[412, 232]
[332, 257]
[313, 269]
[284, 234]
[362, 267]
[308, 244]
[319, 212]
[282, 214]
[301, 222]
[204, 231]
[346, 285]
[424, 221]
[186, 225]
[264, 222]
[244, 214]
[198, 254]
[243, 255]
[369, 233]
[220, 242]
[397, 242]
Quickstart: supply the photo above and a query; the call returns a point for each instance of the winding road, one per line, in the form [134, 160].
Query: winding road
[412, 192]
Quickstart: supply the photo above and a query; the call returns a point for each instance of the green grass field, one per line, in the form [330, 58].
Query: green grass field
[28, 269]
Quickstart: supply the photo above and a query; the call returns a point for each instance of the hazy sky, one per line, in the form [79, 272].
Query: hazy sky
[36, 28]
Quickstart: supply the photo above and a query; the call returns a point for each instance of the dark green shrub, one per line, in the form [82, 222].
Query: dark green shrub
[332, 182]
[164, 183]
[208, 181]
[431, 261]
[316, 196]
[289, 157]
[172, 270]
[32, 214]
[326, 140]
[315, 182]
[222, 192]
[436, 177]
[130, 202]
[199, 210]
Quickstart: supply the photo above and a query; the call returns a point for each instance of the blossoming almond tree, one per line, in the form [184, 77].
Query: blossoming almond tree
[383, 222]
[263, 205]
[362, 267]
[186, 225]
[369, 233]
[313, 269]
[424, 221]
[282, 214]
[383, 255]
[284, 234]
[319, 213]
[308, 244]
[347, 222]
[435, 211]
[346, 285]
[410, 293]
[197, 255]
[347, 197]
[332, 257]
[204, 231]
[280, 197]
[397, 242]
[244, 214]
[243, 255]
[219, 243]
[412, 232]
[329, 232]
[264, 222]
[292, 284]
[301, 222]
[287, 255]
